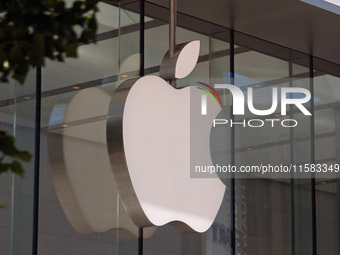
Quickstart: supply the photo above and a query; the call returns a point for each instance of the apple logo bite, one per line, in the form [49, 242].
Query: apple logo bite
[149, 142]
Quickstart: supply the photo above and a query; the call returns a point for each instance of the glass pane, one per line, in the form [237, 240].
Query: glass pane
[301, 153]
[263, 216]
[7, 113]
[219, 236]
[79, 204]
[22, 196]
[327, 121]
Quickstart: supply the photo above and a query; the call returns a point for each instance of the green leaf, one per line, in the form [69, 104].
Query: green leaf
[90, 4]
[77, 6]
[60, 58]
[19, 77]
[49, 48]
[4, 76]
[89, 35]
[3, 57]
[60, 6]
[4, 167]
[16, 54]
[2, 33]
[25, 156]
[16, 168]
[37, 52]
[20, 72]
[71, 50]
[7, 147]
[32, 31]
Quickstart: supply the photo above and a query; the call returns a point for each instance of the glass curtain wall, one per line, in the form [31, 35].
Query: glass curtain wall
[80, 211]
[77, 206]
[18, 119]
[327, 152]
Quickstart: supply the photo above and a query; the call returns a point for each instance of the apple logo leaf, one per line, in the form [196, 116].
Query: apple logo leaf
[182, 63]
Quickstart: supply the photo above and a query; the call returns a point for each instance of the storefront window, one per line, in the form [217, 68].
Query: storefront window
[80, 209]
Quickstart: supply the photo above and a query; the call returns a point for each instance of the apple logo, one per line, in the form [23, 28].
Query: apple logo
[155, 134]
[80, 166]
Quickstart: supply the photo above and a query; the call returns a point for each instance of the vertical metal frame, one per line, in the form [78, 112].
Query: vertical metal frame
[232, 149]
[312, 151]
[308, 62]
[36, 181]
[292, 160]
[141, 73]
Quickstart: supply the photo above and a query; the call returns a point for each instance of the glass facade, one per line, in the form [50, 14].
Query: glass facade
[80, 212]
